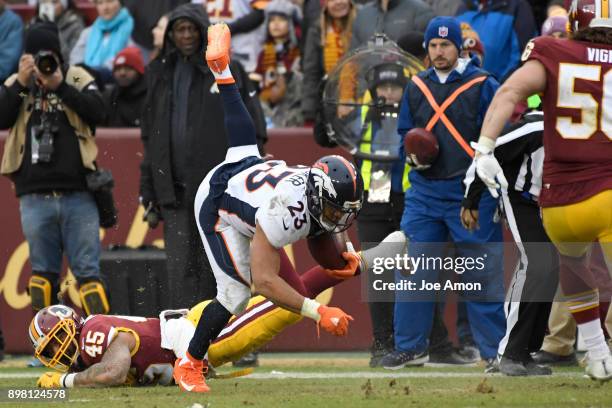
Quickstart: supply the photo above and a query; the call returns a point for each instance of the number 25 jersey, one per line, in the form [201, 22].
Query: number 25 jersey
[577, 108]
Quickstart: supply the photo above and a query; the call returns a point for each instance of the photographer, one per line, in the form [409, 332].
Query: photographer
[51, 110]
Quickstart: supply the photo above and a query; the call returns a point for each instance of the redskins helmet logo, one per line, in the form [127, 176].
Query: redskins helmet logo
[61, 312]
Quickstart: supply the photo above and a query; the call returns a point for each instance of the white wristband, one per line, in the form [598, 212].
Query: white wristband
[67, 380]
[310, 309]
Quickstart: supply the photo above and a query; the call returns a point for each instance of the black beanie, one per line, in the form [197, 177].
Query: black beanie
[42, 36]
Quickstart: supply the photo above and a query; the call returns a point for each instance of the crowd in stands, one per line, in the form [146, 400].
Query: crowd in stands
[287, 46]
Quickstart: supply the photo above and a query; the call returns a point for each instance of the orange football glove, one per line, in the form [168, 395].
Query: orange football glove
[353, 260]
[334, 320]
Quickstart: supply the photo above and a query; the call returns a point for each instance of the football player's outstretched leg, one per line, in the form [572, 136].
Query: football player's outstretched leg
[247, 209]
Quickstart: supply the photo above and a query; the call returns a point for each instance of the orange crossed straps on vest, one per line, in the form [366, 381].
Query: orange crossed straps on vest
[439, 109]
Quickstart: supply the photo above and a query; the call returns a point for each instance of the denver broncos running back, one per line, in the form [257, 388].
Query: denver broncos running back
[103, 351]
[575, 78]
[247, 210]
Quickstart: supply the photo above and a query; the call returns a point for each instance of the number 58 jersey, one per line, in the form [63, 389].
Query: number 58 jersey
[271, 194]
[577, 106]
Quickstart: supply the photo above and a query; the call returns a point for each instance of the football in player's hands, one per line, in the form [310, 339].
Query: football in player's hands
[327, 249]
[421, 147]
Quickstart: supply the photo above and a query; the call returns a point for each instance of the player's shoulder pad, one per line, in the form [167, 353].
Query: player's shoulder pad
[284, 216]
[540, 47]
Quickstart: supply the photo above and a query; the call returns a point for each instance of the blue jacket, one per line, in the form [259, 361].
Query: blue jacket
[11, 43]
[504, 27]
[447, 165]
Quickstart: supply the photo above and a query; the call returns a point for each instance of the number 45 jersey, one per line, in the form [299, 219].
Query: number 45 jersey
[271, 194]
[577, 108]
[150, 363]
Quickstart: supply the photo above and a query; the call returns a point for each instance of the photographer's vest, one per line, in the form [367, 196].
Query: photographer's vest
[14, 146]
[450, 111]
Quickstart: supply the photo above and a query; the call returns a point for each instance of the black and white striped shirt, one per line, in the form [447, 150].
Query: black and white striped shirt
[520, 152]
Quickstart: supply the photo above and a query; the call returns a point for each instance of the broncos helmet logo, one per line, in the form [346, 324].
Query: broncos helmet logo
[323, 182]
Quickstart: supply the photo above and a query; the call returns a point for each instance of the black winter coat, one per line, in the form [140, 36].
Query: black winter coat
[124, 105]
[206, 138]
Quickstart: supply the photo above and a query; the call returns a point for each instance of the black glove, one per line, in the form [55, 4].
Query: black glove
[152, 215]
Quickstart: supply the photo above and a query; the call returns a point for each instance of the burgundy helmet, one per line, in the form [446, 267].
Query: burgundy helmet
[54, 332]
[589, 13]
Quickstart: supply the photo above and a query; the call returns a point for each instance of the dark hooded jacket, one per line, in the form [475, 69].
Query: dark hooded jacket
[203, 136]
[124, 105]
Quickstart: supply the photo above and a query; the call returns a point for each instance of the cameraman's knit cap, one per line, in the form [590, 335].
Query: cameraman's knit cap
[42, 36]
[447, 28]
[387, 72]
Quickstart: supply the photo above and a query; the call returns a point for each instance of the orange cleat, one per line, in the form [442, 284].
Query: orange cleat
[189, 374]
[218, 49]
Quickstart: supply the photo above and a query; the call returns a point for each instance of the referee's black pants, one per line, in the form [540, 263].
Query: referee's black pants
[534, 283]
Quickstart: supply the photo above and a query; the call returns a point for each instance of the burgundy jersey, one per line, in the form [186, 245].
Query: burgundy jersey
[577, 118]
[150, 363]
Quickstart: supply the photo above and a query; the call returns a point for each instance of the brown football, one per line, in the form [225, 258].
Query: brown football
[423, 144]
[327, 249]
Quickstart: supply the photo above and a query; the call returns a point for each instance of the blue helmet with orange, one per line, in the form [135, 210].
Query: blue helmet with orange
[334, 193]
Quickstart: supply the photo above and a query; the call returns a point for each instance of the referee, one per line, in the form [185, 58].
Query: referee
[529, 299]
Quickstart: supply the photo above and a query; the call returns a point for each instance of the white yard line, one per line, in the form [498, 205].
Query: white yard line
[368, 374]
[281, 375]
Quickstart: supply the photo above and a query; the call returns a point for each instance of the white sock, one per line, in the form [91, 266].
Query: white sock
[224, 75]
[394, 244]
[594, 339]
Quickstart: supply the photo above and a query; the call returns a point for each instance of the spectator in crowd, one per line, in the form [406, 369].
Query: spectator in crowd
[433, 201]
[184, 138]
[505, 27]
[99, 44]
[412, 43]
[542, 9]
[278, 66]
[11, 40]
[555, 26]
[158, 32]
[145, 18]
[444, 7]
[245, 20]
[311, 12]
[392, 17]
[47, 163]
[327, 42]
[125, 99]
[472, 46]
[69, 22]
[556, 8]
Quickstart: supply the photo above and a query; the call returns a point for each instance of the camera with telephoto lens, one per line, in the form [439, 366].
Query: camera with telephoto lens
[46, 62]
[44, 134]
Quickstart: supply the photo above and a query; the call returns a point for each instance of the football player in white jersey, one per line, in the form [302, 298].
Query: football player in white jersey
[248, 209]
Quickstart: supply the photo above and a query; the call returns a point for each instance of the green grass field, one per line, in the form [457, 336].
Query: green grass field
[340, 380]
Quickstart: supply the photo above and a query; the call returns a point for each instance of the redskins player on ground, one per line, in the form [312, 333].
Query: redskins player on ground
[107, 350]
[575, 78]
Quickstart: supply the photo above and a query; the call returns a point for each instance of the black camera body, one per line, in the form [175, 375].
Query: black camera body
[44, 134]
[46, 62]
